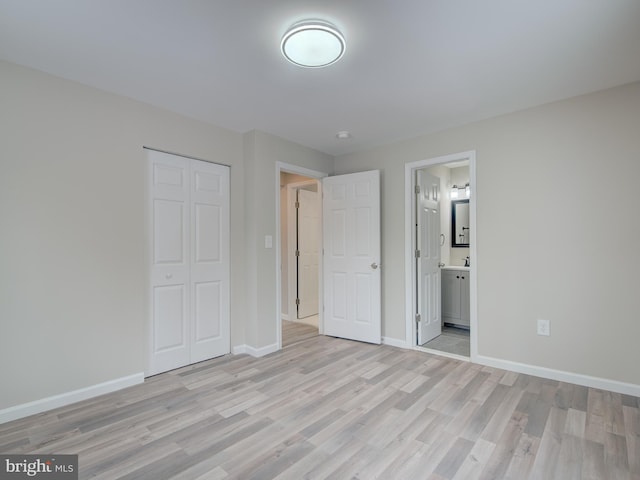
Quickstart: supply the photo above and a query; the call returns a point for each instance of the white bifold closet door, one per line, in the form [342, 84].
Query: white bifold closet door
[189, 261]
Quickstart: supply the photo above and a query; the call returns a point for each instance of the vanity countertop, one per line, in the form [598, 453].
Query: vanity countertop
[454, 267]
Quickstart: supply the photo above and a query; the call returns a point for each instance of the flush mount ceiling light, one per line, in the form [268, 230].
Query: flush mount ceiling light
[313, 44]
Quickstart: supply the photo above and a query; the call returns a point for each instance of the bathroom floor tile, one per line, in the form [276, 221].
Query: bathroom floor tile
[452, 340]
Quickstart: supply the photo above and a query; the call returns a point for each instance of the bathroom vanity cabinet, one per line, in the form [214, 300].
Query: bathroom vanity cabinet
[455, 296]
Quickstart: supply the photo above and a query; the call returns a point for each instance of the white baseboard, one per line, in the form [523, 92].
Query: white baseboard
[562, 376]
[284, 316]
[239, 349]
[63, 399]
[254, 352]
[394, 342]
[550, 373]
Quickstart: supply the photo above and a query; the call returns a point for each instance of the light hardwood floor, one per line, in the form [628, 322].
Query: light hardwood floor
[331, 408]
[294, 332]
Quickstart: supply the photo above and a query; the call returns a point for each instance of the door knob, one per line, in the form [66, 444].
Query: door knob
[168, 276]
[374, 265]
[440, 264]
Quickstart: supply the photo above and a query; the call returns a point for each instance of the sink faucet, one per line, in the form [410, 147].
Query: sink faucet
[467, 261]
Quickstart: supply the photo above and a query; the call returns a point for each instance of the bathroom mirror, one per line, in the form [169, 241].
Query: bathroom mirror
[460, 223]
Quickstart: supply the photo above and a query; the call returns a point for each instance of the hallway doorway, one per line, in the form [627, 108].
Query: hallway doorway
[300, 229]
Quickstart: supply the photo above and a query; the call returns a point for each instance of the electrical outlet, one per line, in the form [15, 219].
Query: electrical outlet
[543, 327]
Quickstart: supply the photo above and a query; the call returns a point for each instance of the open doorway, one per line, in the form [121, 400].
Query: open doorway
[441, 255]
[300, 246]
[349, 275]
[294, 326]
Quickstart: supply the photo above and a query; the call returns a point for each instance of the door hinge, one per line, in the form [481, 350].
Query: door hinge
[418, 318]
[298, 301]
[297, 204]
[297, 253]
[417, 189]
[417, 253]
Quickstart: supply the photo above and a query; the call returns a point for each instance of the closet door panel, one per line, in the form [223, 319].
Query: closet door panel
[210, 260]
[170, 303]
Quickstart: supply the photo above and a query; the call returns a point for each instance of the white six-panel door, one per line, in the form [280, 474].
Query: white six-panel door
[351, 269]
[170, 262]
[210, 336]
[189, 261]
[428, 263]
[308, 252]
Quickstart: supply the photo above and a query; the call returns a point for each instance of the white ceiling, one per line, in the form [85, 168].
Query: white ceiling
[411, 66]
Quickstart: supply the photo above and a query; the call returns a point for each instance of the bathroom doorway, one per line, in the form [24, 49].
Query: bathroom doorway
[441, 253]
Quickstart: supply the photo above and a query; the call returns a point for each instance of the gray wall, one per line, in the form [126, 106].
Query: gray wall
[73, 244]
[556, 244]
[73, 251]
[262, 188]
